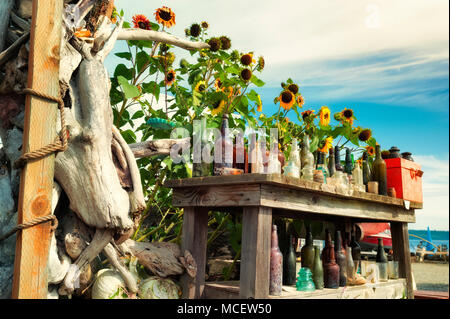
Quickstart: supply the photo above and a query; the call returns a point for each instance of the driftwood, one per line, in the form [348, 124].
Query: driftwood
[157, 147]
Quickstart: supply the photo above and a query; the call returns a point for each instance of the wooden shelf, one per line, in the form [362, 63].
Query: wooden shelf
[392, 289]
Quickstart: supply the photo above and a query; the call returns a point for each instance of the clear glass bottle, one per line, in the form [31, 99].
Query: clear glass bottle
[276, 265]
[274, 165]
[292, 167]
[200, 167]
[350, 265]
[379, 172]
[307, 160]
[224, 143]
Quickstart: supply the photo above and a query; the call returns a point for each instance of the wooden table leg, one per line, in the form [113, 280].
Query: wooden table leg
[400, 245]
[255, 260]
[194, 238]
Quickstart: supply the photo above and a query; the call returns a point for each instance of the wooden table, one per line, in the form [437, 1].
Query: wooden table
[261, 196]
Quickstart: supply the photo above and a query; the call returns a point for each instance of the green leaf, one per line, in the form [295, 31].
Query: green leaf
[129, 136]
[129, 90]
[137, 115]
[257, 81]
[142, 60]
[152, 88]
[122, 70]
[253, 96]
[125, 55]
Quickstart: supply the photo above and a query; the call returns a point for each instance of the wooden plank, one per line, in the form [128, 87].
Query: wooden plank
[285, 182]
[217, 196]
[393, 289]
[30, 267]
[194, 237]
[426, 294]
[400, 246]
[310, 202]
[255, 260]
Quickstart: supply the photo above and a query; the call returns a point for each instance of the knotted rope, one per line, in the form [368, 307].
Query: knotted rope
[60, 143]
[31, 223]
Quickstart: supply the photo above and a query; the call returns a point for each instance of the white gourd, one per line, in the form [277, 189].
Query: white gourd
[106, 284]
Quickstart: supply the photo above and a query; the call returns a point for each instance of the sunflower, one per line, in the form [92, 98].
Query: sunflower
[307, 113]
[218, 84]
[300, 100]
[226, 42]
[287, 99]
[347, 115]
[195, 30]
[200, 87]
[205, 25]
[218, 107]
[214, 44]
[170, 77]
[259, 103]
[247, 59]
[365, 135]
[328, 143]
[370, 150]
[246, 74]
[293, 88]
[261, 63]
[165, 16]
[324, 116]
[228, 91]
[140, 21]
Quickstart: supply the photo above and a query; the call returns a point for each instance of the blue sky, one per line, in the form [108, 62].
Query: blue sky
[386, 60]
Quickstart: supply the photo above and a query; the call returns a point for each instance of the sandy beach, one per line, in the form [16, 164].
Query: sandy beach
[431, 276]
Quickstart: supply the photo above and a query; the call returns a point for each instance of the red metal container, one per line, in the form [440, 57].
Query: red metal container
[406, 177]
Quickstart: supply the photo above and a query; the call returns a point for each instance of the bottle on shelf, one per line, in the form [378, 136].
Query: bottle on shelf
[321, 165]
[337, 159]
[200, 167]
[366, 170]
[307, 252]
[331, 162]
[317, 269]
[225, 160]
[356, 251]
[330, 267]
[276, 265]
[292, 168]
[350, 265]
[274, 165]
[305, 281]
[348, 168]
[307, 160]
[379, 172]
[340, 259]
[382, 261]
[289, 265]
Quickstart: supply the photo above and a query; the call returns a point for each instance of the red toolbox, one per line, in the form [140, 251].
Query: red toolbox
[406, 177]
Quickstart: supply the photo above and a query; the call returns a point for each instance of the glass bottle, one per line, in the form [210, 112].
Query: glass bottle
[340, 259]
[226, 157]
[358, 177]
[307, 252]
[356, 251]
[379, 172]
[274, 165]
[321, 165]
[289, 265]
[382, 260]
[337, 159]
[331, 162]
[307, 160]
[348, 162]
[200, 167]
[350, 264]
[276, 265]
[366, 170]
[317, 269]
[330, 267]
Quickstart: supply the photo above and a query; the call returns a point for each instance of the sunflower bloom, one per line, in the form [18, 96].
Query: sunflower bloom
[307, 113]
[293, 88]
[200, 87]
[300, 101]
[370, 150]
[140, 21]
[218, 84]
[259, 103]
[218, 107]
[324, 116]
[328, 144]
[247, 59]
[347, 116]
[165, 16]
[365, 135]
[170, 77]
[228, 91]
[287, 99]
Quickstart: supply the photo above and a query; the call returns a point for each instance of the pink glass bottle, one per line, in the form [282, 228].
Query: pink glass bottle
[276, 265]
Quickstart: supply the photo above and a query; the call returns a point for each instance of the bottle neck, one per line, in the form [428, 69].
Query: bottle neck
[380, 243]
[308, 238]
[274, 237]
[338, 240]
[378, 152]
[224, 124]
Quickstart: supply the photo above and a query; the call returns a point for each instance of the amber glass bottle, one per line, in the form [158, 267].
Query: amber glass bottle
[307, 252]
[330, 267]
[340, 259]
[379, 172]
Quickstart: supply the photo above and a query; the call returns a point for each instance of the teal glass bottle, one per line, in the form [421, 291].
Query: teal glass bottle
[317, 269]
[305, 281]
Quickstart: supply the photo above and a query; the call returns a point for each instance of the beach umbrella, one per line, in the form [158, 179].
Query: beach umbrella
[429, 247]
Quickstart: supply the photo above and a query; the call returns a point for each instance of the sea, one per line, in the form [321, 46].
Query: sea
[439, 237]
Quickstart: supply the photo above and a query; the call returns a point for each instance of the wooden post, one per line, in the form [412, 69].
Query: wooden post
[255, 260]
[400, 245]
[36, 183]
[194, 236]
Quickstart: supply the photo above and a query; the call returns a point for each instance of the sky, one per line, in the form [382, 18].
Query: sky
[386, 60]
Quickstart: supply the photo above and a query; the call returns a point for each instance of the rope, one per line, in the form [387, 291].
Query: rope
[31, 223]
[60, 143]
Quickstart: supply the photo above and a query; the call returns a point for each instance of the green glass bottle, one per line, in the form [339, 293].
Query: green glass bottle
[317, 269]
[331, 162]
[348, 162]
[379, 172]
[366, 170]
[307, 252]
[289, 264]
